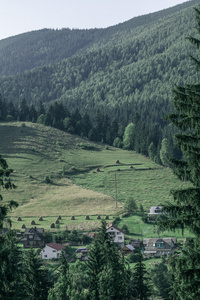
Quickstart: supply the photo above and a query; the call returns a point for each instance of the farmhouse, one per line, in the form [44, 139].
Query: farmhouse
[159, 246]
[116, 234]
[52, 250]
[155, 211]
[33, 238]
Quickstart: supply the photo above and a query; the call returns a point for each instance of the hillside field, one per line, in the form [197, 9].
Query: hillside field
[84, 177]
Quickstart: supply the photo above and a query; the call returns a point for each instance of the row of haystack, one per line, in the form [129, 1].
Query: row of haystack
[58, 220]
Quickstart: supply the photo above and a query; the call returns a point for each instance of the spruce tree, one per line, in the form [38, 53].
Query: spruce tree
[10, 255]
[185, 211]
[59, 291]
[141, 283]
[11, 270]
[35, 277]
[108, 276]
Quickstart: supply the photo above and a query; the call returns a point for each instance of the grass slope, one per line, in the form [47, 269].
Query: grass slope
[35, 151]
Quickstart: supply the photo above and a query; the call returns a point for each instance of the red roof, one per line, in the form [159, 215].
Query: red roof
[111, 225]
[55, 246]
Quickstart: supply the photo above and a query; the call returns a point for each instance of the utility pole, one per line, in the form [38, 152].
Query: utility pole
[116, 189]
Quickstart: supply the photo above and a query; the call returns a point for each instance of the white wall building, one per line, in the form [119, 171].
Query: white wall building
[116, 234]
[156, 210]
[52, 250]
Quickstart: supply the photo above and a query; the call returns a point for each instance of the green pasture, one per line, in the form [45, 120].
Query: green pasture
[139, 230]
[84, 178]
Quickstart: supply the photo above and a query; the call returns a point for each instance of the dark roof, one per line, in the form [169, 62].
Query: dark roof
[34, 230]
[55, 246]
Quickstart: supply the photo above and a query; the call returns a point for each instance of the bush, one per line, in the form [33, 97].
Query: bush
[133, 257]
[47, 179]
[145, 218]
[9, 118]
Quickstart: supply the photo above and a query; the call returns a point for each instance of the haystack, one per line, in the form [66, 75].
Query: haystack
[97, 170]
[117, 161]
[33, 222]
[57, 222]
[59, 217]
[19, 219]
[23, 226]
[72, 218]
[98, 217]
[87, 217]
[52, 225]
[41, 219]
[107, 217]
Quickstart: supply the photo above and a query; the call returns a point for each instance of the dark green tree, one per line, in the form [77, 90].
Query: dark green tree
[5, 183]
[86, 125]
[33, 114]
[3, 109]
[9, 253]
[141, 280]
[108, 276]
[78, 281]
[185, 211]
[59, 291]
[23, 111]
[130, 206]
[35, 277]
[94, 267]
[11, 270]
[160, 277]
[41, 109]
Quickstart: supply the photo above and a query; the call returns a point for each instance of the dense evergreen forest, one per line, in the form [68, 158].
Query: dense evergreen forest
[106, 274]
[104, 84]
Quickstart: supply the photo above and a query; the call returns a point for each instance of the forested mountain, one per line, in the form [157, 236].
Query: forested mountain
[125, 71]
[37, 48]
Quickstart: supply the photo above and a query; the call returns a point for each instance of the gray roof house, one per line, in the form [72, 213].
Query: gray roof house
[33, 238]
[159, 246]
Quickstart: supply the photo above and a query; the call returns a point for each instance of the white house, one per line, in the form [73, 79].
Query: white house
[52, 250]
[116, 234]
[156, 210]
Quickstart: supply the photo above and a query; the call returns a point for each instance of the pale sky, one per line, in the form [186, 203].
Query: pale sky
[19, 16]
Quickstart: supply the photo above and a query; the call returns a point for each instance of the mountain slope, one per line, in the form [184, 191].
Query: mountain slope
[37, 153]
[133, 71]
[37, 48]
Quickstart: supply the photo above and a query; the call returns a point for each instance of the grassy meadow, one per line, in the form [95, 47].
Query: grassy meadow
[84, 178]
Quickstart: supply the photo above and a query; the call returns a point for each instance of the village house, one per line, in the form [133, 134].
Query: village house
[116, 234]
[52, 250]
[159, 246]
[155, 211]
[33, 238]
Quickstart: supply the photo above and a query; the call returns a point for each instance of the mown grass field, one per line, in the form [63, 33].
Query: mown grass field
[35, 151]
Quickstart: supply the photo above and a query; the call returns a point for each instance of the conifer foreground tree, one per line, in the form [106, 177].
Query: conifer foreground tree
[108, 277]
[185, 211]
[35, 277]
[141, 283]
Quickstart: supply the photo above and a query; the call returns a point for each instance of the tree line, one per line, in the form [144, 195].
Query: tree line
[152, 141]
